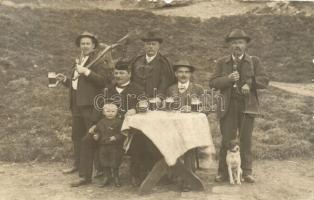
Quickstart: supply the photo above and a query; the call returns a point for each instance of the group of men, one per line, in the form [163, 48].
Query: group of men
[237, 76]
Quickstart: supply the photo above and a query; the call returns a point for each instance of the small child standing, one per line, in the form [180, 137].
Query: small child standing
[110, 140]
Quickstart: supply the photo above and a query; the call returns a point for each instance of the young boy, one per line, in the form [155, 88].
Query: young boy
[110, 140]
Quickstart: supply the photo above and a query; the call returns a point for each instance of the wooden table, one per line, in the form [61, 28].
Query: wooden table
[173, 133]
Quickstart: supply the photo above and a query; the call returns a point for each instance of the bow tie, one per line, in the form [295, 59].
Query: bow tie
[182, 89]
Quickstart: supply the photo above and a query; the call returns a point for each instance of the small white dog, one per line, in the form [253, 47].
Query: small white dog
[233, 160]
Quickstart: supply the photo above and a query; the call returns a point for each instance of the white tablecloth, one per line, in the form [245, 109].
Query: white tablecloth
[173, 133]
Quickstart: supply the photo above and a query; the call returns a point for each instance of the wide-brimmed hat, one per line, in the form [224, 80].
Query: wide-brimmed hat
[89, 35]
[183, 63]
[237, 34]
[152, 36]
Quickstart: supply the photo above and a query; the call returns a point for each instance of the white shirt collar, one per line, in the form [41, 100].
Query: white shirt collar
[125, 84]
[185, 85]
[119, 89]
[240, 57]
[150, 59]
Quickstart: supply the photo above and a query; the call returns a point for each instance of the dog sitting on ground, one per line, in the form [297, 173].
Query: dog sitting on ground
[233, 160]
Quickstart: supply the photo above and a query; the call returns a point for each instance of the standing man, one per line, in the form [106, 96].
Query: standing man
[84, 84]
[153, 74]
[152, 70]
[238, 77]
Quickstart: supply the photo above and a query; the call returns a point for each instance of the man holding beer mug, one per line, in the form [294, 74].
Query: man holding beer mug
[186, 95]
[84, 84]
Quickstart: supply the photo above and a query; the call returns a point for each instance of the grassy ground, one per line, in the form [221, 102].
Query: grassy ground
[35, 119]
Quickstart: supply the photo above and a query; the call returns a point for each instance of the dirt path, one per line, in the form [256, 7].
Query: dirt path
[210, 9]
[202, 9]
[276, 180]
[296, 88]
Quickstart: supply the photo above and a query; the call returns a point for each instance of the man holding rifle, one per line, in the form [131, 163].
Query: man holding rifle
[87, 80]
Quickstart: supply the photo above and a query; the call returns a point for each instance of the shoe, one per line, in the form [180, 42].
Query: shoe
[105, 182]
[70, 171]
[117, 182]
[249, 178]
[220, 178]
[81, 182]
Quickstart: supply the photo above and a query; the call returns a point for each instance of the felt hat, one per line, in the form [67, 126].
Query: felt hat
[237, 34]
[183, 63]
[152, 36]
[89, 35]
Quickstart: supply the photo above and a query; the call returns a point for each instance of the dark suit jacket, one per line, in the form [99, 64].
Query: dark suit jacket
[126, 100]
[89, 86]
[258, 80]
[106, 128]
[194, 90]
[156, 74]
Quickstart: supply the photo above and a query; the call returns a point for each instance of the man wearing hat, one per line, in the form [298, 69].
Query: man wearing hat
[152, 70]
[238, 77]
[84, 84]
[183, 92]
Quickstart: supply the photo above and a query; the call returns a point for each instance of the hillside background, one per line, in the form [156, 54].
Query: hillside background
[35, 121]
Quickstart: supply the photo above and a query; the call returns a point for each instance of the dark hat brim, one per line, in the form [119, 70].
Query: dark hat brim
[228, 39]
[176, 67]
[160, 40]
[78, 40]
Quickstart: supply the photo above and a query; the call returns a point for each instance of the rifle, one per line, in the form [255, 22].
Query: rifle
[108, 48]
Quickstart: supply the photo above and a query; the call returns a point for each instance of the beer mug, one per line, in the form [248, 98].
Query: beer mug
[142, 106]
[52, 79]
[195, 105]
[169, 102]
[152, 104]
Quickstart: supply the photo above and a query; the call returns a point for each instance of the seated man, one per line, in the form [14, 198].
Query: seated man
[123, 93]
[184, 91]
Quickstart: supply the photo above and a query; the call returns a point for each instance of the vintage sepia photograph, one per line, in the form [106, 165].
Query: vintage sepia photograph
[157, 100]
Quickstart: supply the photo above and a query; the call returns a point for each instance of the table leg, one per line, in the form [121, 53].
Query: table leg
[191, 178]
[159, 170]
